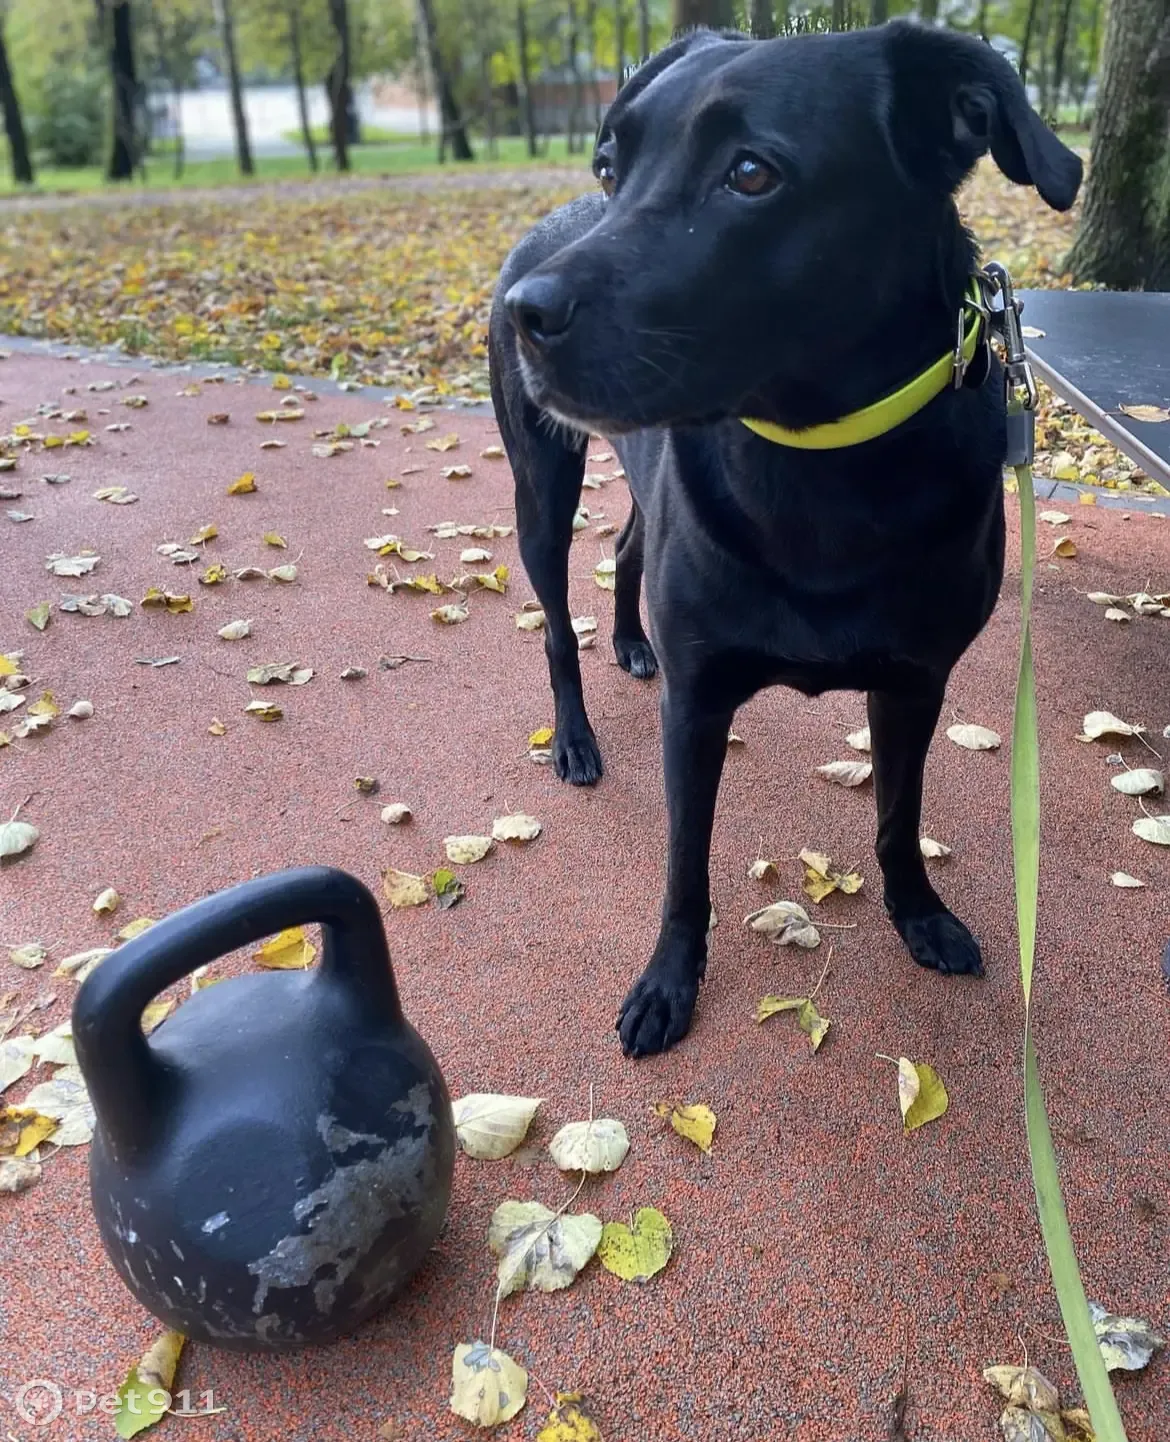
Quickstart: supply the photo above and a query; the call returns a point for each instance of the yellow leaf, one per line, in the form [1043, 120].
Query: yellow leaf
[106, 902]
[567, 1423]
[273, 538]
[401, 888]
[773, 1005]
[541, 737]
[695, 1122]
[155, 1014]
[289, 950]
[814, 1026]
[450, 615]
[263, 710]
[1087, 498]
[166, 600]
[204, 533]
[135, 928]
[145, 1396]
[37, 616]
[46, 706]
[244, 486]
[443, 443]
[822, 878]
[1065, 548]
[214, 575]
[33, 1133]
[8, 667]
[921, 1094]
[1150, 414]
[636, 1253]
[487, 1386]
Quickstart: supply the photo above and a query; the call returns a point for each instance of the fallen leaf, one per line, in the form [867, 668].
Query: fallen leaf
[1103, 598]
[263, 710]
[921, 1094]
[45, 705]
[859, 740]
[530, 621]
[235, 630]
[1127, 1343]
[243, 486]
[214, 575]
[447, 888]
[492, 453]
[144, 1398]
[284, 672]
[17, 837]
[61, 564]
[443, 443]
[401, 888]
[450, 615]
[474, 555]
[66, 1100]
[594, 1146]
[273, 538]
[288, 950]
[29, 956]
[974, 738]
[1066, 548]
[135, 928]
[933, 850]
[82, 963]
[1115, 613]
[638, 1251]
[1152, 415]
[1103, 723]
[17, 1174]
[116, 495]
[218, 418]
[846, 773]
[286, 573]
[106, 902]
[761, 870]
[166, 600]
[38, 615]
[516, 827]
[286, 413]
[568, 1423]
[487, 1386]
[541, 737]
[464, 850]
[17, 1054]
[822, 877]
[785, 923]
[396, 813]
[695, 1122]
[203, 535]
[1024, 1387]
[157, 661]
[1140, 781]
[492, 1125]
[814, 1026]
[1054, 518]
[1125, 880]
[538, 1248]
[1153, 828]
[605, 572]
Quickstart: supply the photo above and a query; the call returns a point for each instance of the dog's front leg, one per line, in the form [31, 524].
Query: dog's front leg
[657, 1012]
[901, 727]
[633, 651]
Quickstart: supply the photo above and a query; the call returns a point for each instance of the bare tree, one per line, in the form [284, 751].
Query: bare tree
[1026, 41]
[1060, 48]
[1124, 236]
[761, 19]
[591, 43]
[643, 29]
[525, 77]
[22, 170]
[227, 31]
[115, 21]
[576, 139]
[343, 125]
[619, 39]
[453, 127]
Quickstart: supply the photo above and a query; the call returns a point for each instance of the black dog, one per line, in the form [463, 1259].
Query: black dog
[776, 240]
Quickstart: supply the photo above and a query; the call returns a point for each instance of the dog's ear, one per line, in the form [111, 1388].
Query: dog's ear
[954, 99]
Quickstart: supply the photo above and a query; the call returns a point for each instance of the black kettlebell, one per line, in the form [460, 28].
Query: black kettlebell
[272, 1164]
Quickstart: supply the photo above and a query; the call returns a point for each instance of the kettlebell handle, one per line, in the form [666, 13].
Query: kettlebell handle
[127, 1083]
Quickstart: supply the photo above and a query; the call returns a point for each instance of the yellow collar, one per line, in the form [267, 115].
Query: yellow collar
[892, 410]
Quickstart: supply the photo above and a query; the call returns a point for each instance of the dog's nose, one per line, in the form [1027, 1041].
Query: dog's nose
[541, 307]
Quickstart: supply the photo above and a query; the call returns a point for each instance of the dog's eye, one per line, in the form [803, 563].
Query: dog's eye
[606, 175]
[750, 176]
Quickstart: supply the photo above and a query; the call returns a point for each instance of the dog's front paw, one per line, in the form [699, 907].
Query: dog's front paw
[941, 942]
[577, 757]
[636, 656]
[658, 1009]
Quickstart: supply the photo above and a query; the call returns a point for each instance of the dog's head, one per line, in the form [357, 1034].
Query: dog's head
[771, 205]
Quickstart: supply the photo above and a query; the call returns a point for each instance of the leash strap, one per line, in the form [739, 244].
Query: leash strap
[1025, 807]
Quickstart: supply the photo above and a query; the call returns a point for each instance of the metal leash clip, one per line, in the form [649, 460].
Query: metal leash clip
[1019, 382]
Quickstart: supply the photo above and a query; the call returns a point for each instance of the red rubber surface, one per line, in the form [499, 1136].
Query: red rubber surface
[817, 1250]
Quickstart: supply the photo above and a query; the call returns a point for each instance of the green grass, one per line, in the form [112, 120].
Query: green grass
[400, 159]
[371, 135]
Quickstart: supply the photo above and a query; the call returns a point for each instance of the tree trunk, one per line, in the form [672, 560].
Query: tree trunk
[981, 20]
[22, 170]
[643, 29]
[718, 14]
[180, 139]
[928, 11]
[1124, 236]
[576, 140]
[1060, 49]
[453, 128]
[591, 41]
[227, 31]
[619, 40]
[1026, 42]
[124, 91]
[338, 84]
[837, 19]
[525, 77]
[879, 11]
[298, 64]
[763, 24]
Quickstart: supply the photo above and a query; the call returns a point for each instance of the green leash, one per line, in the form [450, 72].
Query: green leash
[1025, 791]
